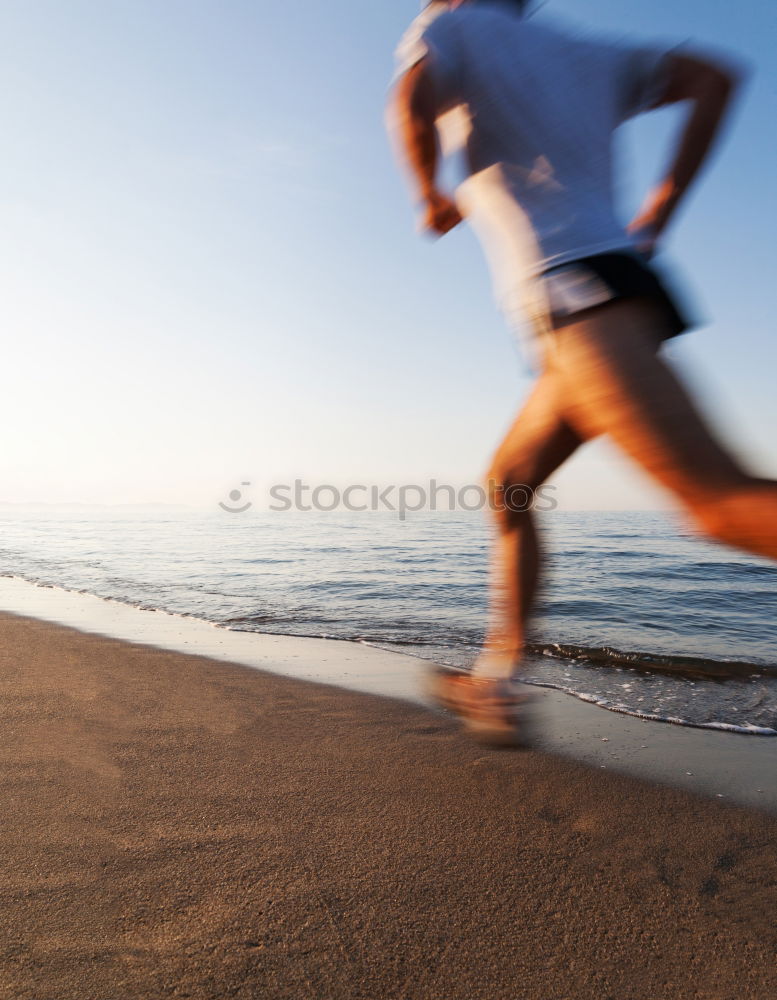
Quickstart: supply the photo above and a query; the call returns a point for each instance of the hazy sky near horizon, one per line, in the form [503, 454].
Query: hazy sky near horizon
[210, 272]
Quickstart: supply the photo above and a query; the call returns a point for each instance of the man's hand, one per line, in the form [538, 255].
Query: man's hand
[651, 220]
[440, 214]
[415, 108]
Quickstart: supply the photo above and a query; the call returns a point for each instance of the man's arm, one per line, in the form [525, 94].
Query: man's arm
[710, 88]
[415, 112]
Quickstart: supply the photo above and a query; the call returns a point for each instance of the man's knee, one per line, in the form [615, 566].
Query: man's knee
[510, 489]
[730, 514]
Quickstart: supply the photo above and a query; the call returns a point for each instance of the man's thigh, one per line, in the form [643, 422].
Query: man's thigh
[539, 440]
[612, 381]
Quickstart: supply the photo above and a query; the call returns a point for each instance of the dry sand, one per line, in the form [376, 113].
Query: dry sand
[174, 826]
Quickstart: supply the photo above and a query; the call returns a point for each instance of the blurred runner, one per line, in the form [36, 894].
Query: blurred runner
[533, 108]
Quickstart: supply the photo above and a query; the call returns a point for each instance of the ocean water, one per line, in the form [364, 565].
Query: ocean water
[634, 614]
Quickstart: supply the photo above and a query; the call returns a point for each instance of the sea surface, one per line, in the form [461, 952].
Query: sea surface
[634, 614]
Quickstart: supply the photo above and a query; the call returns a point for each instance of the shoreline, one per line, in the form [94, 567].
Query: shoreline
[727, 766]
[179, 826]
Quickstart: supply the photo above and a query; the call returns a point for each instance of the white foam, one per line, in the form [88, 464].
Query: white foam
[602, 702]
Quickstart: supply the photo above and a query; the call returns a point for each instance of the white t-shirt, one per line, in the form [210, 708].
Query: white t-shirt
[539, 106]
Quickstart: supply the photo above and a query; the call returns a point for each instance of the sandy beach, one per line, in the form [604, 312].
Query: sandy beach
[178, 826]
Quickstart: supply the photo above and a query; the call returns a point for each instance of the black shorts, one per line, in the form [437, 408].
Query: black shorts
[575, 286]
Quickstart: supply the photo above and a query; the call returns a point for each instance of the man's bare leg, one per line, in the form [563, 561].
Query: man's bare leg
[612, 382]
[603, 376]
[538, 442]
[492, 707]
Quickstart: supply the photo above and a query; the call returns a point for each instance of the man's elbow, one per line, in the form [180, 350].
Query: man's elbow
[723, 78]
[696, 77]
[732, 77]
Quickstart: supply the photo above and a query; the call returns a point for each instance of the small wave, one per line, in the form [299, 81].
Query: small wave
[739, 568]
[581, 608]
[692, 667]
[266, 561]
[129, 602]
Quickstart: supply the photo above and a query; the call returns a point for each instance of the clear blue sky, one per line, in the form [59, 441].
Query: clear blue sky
[210, 271]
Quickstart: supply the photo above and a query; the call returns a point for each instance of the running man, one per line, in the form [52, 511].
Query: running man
[539, 106]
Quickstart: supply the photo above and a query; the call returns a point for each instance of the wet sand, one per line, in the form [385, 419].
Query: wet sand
[178, 826]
